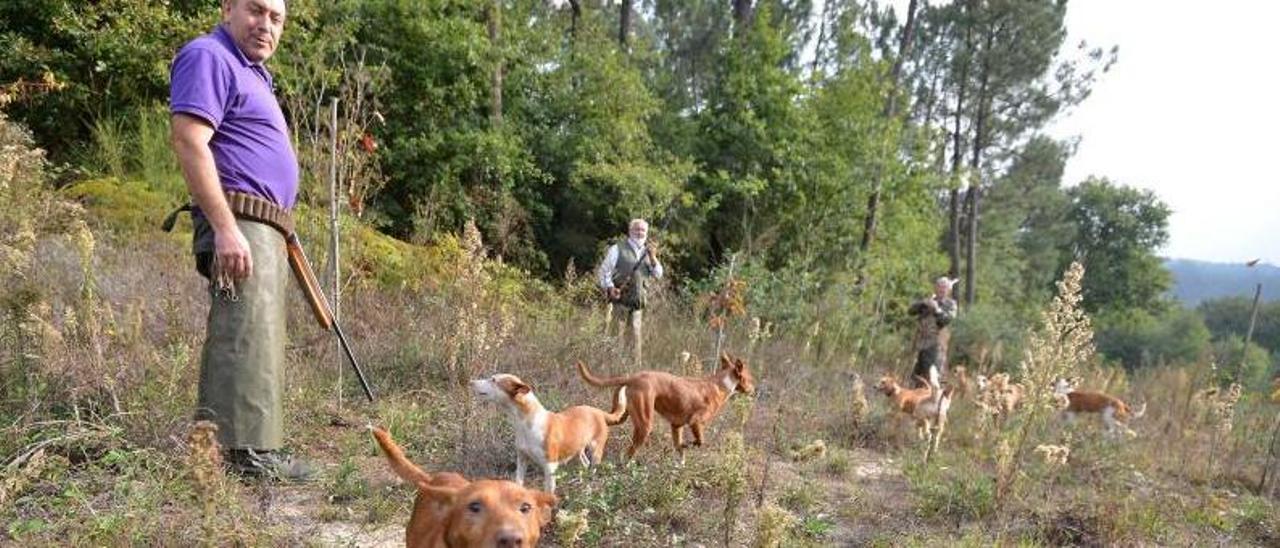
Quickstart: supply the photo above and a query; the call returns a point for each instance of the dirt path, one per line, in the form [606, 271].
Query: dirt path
[865, 498]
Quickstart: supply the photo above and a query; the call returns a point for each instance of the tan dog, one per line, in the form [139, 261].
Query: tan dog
[999, 397]
[1114, 412]
[928, 405]
[451, 511]
[682, 401]
[551, 439]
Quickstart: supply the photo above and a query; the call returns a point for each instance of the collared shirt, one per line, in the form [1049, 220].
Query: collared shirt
[212, 79]
[605, 279]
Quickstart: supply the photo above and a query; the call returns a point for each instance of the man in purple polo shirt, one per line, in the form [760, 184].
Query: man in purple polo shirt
[230, 136]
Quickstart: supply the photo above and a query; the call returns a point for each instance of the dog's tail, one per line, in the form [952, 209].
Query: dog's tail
[925, 382]
[401, 465]
[944, 402]
[597, 381]
[619, 413]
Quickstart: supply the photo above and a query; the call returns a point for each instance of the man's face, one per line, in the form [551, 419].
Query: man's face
[255, 25]
[942, 289]
[639, 231]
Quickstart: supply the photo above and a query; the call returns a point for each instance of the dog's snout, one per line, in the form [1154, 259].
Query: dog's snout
[508, 538]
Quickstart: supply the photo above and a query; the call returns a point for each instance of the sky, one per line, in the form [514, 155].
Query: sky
[1189, 111]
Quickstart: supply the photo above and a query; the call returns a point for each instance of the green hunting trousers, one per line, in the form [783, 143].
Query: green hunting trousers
[630, 325]
[242, 367]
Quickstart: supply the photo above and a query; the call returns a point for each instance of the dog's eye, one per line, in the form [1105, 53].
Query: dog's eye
[474, 507]
[525, 508]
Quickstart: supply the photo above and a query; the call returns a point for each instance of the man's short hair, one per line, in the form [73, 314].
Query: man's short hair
[637, 222]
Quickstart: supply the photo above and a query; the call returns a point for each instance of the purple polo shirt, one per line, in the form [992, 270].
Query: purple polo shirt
[211, 79]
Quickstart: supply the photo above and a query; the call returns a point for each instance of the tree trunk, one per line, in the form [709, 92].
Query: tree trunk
[890, 112]
[953, 249]
[624, 23]
[575, 11]
[953, 245]
[822, 38]
[975, 165]
[495, 88]
[970, 270]
[742, 15]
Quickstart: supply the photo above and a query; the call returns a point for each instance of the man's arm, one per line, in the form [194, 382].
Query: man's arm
[607, 266]
[946, 311]
[190, 136]
[655, 266]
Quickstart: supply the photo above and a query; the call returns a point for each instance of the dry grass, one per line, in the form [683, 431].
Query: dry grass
[98, 448]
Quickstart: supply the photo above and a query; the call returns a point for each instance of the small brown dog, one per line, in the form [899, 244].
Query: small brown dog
[451, 511]
[928, 405]
[683, 401]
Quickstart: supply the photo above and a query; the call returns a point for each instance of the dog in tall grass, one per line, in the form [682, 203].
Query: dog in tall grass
[999, 397]
[546, 438]
[927, 404]
[1115, 413]
[682, 401]
[451, 511]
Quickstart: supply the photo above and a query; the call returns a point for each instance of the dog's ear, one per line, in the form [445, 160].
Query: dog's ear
[546, 506]
[522, 388]
[739, 365]
[725, 361]
[439, 493]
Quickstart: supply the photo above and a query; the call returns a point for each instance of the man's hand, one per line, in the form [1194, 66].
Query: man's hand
[191, 136]
[653, 254]
[613, 293]
[232, 249]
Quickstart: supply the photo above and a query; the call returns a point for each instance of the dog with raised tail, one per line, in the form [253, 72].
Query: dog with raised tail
[546, 438]
[928, 405]
[682, 401]
[1115, 412]
[451, 511]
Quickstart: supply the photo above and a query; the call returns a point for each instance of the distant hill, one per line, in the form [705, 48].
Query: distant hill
[1195, 281]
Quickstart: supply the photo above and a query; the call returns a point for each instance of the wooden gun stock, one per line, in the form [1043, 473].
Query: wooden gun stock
[320, 306]
[307, 280]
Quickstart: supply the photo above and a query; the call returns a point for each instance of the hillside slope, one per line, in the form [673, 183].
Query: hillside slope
[1195, 281]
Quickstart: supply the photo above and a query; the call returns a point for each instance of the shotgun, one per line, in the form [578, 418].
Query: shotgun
[319, 304]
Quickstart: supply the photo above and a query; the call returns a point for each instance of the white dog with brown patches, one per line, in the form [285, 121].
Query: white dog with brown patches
[546, 438]
[1114, 412]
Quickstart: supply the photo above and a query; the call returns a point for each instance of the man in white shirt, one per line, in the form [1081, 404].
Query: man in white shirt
[623, 275]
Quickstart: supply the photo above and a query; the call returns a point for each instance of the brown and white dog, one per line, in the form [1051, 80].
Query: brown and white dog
[451, 511]
[546, 438]
[1114, 412]
[927, 405]
[682, 401]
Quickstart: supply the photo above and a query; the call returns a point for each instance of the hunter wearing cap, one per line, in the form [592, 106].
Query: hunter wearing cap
[233, 144]
[933, 332]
